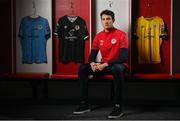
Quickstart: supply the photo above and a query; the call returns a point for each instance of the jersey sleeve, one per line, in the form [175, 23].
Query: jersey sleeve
[58, 27]
[124, 41]
[85, 31]
[95, 43]
[47, 30]
[163, 32]
[135, 29]
[21, 33]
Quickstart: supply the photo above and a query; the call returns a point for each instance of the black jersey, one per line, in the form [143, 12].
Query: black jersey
[72, 32]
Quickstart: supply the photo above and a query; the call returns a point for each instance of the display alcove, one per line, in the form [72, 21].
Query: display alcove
[141, 65]
[89, 10]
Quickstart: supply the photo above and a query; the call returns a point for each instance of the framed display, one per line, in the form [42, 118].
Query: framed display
[62, 20]
[33, 43]
[150, 46]
[70, 19]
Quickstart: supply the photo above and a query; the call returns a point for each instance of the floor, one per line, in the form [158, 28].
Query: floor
[45, 111]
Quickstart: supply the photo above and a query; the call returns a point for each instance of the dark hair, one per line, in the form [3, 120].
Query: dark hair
[108, 12]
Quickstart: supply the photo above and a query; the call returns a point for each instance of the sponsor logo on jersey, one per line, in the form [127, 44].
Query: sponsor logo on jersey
[142, 27]
[113, 41]
[71, 32]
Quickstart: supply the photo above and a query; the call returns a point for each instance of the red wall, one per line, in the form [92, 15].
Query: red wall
[80, 8]
[161, 8]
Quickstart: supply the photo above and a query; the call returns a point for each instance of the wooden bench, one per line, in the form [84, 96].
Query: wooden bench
[35, 79]
[151, 76]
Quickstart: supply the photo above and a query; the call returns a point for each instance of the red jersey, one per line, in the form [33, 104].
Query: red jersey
[109, 43]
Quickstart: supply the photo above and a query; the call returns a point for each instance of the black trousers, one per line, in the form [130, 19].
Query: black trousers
[117, 70]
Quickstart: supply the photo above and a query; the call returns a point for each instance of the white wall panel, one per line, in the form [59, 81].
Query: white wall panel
[121, 8]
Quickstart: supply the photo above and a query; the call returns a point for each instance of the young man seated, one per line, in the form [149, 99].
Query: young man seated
[113, 45]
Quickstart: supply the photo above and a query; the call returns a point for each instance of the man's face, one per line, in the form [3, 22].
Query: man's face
[107, 21]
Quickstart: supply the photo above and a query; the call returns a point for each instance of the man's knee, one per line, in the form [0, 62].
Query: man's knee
[118, 68]
[82, 68]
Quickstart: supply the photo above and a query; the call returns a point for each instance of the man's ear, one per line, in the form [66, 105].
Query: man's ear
[113, 20]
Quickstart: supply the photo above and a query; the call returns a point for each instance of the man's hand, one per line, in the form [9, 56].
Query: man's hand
[94, 66]
[100, 67]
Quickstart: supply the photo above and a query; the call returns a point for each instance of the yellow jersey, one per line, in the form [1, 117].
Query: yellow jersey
[150, 33]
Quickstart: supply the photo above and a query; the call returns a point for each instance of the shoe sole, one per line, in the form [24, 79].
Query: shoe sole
[82, 112]
[113, 117]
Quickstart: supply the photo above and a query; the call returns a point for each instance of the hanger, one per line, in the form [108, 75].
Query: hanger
[110, 4]
[149, 5]
[72, 13]
[72, 17]
[34, 14]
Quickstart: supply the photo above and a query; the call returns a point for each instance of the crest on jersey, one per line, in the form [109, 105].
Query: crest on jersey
[101, 42]
[65, 27]
[113, 41]
[77, 27]
[39, 27]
